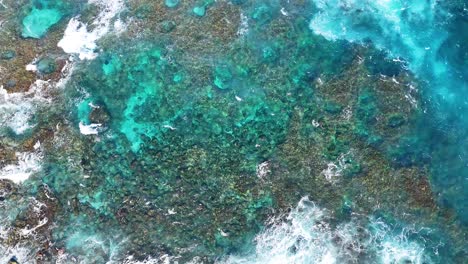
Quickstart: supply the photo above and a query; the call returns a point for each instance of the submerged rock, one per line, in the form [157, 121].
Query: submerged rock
[194, 171]
[396, 120]
[222, 77]
[46, 66]
[7, 55]
[167, 26]
[99, 115]
[10, 84]
[13, 260]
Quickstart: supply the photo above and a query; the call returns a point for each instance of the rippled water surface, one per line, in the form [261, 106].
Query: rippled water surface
[233, 131]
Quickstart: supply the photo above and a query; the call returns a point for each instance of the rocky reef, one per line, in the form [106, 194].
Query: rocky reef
[178, 137]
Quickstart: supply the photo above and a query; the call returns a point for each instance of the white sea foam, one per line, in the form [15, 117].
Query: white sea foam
[31, 67]
[334, 170]
[24, 251]
[24, 255]
[79, 40]
[396, 248]
[244, 25]
[92, 129]
[27, 164]
[17, 109]
[392, 25]
[26, 232]
[163, 259]
[93, 247]
[306, 236]
[66, 71]
[263, 169]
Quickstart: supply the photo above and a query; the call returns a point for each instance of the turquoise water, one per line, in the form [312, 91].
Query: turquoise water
[41, 16]
[236, 132]
[428, 37]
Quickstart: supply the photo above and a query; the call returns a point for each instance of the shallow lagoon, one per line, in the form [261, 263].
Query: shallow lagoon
[233, 132]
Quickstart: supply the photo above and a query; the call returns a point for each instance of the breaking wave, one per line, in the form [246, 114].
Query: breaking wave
[308, 235]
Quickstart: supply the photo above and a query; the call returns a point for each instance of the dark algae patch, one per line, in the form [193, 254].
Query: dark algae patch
[231, 132]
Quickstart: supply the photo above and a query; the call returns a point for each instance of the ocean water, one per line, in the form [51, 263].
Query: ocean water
[233, 131]
[427, 37]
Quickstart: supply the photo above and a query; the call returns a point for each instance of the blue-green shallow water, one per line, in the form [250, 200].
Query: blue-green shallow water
[41, 15]
[429, 36]
[212, 123]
